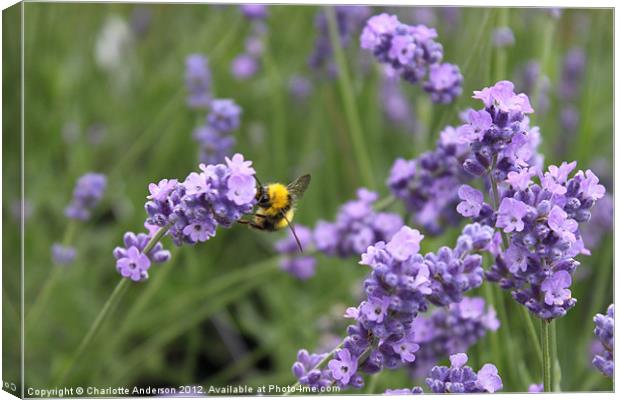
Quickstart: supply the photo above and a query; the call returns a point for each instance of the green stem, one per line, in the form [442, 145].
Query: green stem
[546, 349]
[278, 109]
[52, 279]
[145, 139]
[547, 43]
[188, 300]
[524, 372]
[479, 51]
[503, 314]
[505, 331]
[500, 59]
[320, 365]
[531, 330]
[525, 313]
[232, 370]
[497, 353]
[372, 385]
[124, 327]
[555, 363]
[114, 298]
[384, 203]
[92, 331]
[423, 137]
[224, 284]
[346, 89]
[156, 238]
[593, 382]
[167, 333]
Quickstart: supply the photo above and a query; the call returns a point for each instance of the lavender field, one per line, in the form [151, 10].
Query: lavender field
[456, 230]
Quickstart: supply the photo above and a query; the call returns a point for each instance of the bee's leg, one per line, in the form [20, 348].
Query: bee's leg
[256, 226]
[260, 215]
[251, 224]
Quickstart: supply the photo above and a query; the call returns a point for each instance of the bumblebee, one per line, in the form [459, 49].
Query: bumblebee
[276, 205]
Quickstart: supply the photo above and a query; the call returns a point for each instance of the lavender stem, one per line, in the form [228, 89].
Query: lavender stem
[351, 112]
[114, 298]
[505, 241]
[50, 282]
[547, 369]
[92, 331]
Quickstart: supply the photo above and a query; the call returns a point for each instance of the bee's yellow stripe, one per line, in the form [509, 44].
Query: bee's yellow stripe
[281, 224]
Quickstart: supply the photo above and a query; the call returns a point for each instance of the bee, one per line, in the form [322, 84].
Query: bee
[276, 205]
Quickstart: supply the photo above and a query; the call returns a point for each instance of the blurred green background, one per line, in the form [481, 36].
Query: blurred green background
[222, 312]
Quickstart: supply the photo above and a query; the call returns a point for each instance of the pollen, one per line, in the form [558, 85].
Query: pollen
[278, 194]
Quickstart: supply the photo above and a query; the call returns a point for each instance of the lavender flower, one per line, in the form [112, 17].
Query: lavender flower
[529, 75]
[395, 105]
[458, 270]
[218, 196]
[244, 66]
[604, 331]
[247, 64]
[401, 284]
[451, 330]
[398, 392]
[214, 139]
[426, 184]
[306, 372]
[131, 263]
[254, 45]
[224, 115]
[412, 51]
[409, 49]
[569, 119]
[540, 221]
[444, 83]
[299, 87]
[349, 20]
[424, 15]
[499, 136]
[503, 37]
[471, 203]
[86, 195]
[254, 11]
[383, 319]
[215, 146]
[198, 81]
[63, 255]
[450, 15]
[343, 367]
[300, 266]
[357, 226]
[543, 220]
[140, 22]
[459, 378]
[536, 388]
[573, 68]
[569, 89]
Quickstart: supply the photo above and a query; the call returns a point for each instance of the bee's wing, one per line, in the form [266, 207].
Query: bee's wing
[299, 186]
